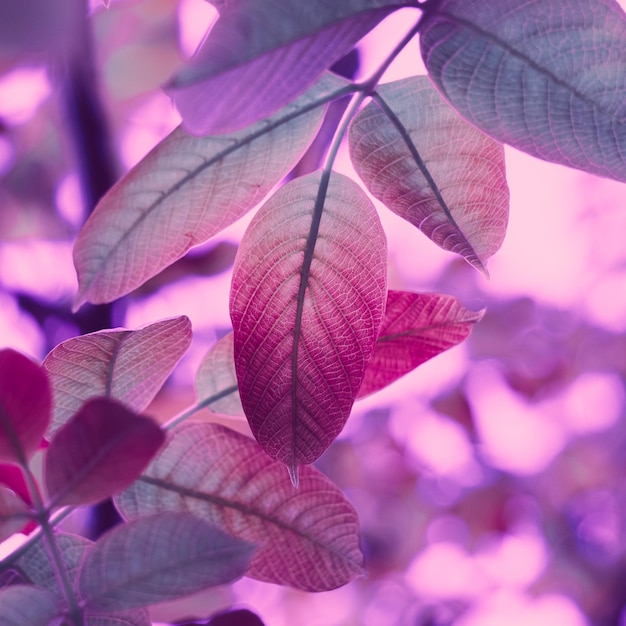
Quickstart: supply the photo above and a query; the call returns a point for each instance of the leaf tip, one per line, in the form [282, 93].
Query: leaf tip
[293, 474]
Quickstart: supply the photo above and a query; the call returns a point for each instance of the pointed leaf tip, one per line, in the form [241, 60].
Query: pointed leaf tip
[293, 475]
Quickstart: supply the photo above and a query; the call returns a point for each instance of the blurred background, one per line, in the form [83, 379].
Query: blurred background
[490, 481]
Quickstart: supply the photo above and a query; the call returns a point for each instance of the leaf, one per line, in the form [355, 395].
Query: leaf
[25, 604]
[185, 191]
[100, 451]
[426, 164]
[127, 365]
[416, 327]
[545, 76]
[138, 617]
[14, 513]
[158, 558]
[307, 299]
[216, 375]
[35, 563]
[261, 54]
[306, 538]
[240, 617]
[25, 405]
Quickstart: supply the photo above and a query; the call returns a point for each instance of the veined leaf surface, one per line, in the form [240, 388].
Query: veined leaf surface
[416, 327]
[158, 558]
[27, 604]
[25, 406]
[185, 191]
[428, 165]
[306, 538]
[261, 54]
[545, 76]
[100, 451]
[136, 617]
[127, 365]
[307, 299]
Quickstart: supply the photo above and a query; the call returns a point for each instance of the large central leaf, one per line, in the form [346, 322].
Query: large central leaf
[546, 76]
[307, 300]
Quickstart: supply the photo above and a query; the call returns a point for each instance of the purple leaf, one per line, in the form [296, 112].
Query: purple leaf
[416, 327]
[306, 306]
[261, 54]
[158, 558]
[545, 76]
[137, 617]
[25, 604]
[183, 193]
[127, 365]
[14, 513]
[25, 404]
[217, 374]
[306, 538]
[428, 165]
[100, 451]
[242, 617]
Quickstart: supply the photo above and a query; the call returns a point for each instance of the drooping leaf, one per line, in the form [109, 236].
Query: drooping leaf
[216, 374]
[545, 76]
[100, 451]
[36, 566]
[416, 327]
[25, 405]
[428, 165]
[306, 538]
[185, 191]
[137, 617]
[26, 604]
[14, 512]
[307, 299]
[127, 365]
[261, 54]
[158, 558]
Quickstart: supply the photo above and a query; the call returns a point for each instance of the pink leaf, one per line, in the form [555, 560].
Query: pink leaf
[158, 558]
[425, 163]
[306, 538]
[261, 54]
[216, 375]
[184, 192]
[128, 365]
[25, 404]
[99, 452]
[546, 77]
[416, 327]
[27, 604]
[307, 300]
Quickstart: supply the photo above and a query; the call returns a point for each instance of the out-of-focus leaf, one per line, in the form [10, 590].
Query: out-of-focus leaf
[416, 327]
[100, 451]
[22, 605]
[217, 374]
[307, 537]
[14, 512]
[35, 563]
[307, 299]
[261, 54]
[545, 76]
[127, 365]
[185, 191]
[137, 617]
[159, 558]
[242, 617]
[432, 168]
[25, 405]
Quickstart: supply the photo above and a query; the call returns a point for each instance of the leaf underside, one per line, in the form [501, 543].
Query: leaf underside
[27, 604]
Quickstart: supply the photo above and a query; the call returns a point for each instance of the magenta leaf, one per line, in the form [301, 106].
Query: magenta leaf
[428, 165]
[22, 605]
[127, 365]
[183, 193]
[158, 558]
[416, 327]
[25, 405]
[14, 513]
[307, 300]
[216, 375]
[261, 54]
[306, 538]
[545, 76]
[100, 451]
